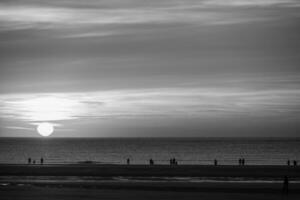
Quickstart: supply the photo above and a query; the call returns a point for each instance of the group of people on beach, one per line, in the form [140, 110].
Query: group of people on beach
[289, 162]
[173, 161]
[242, 161]
[151, 161]
[30, 161]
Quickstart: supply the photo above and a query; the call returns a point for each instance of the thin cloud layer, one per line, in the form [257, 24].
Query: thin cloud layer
[255, 3]
[151, 103]
[64, 15]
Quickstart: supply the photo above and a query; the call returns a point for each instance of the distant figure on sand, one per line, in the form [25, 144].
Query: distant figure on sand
[243, 161]
[295, 162]
[215, 162]
[33, 162]
[285, 188]
[29, 160]
[288, 162]
[151, 162]
[42, 160]
[128, 161]
[173, 161]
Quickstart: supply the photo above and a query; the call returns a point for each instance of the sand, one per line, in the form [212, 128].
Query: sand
[58, 192]
[69, 182]
[148, 171]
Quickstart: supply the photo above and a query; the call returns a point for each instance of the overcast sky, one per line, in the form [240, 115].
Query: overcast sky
[135, 68]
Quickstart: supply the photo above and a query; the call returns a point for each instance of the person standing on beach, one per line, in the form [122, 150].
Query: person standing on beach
[288, 162]
[42, 160]
[215, 162]
[295, 163]
[174, 161]
[128, 161]
[151, 162]
[29, 160]
[285, 188]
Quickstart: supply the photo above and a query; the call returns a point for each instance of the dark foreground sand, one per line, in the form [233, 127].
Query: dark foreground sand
[69, 182]
[148, 171]
[64, 193]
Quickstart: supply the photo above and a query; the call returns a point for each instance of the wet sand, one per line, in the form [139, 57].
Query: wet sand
[148, 171]
[151, 191]
[68, 182]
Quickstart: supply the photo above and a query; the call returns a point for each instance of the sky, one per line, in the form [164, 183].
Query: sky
[139, 68]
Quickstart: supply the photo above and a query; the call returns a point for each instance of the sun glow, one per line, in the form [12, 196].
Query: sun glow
[45, 129]
[45, 111]
[47, 108]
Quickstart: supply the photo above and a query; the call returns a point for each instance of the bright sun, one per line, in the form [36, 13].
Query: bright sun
[45, 129]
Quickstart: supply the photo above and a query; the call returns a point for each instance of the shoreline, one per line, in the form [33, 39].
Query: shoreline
[147, 191]
[110, 170]
[145, 182]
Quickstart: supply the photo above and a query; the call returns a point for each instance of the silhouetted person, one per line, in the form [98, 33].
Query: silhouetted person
[215, 162]
[33, 162]
[285, 188]
[128, 161]
[29, 160]
[175, 161]
[295, 162]
[151, 162]
[240, 161]
[288, 162]
[172, 161]
[42, 160]
[243, 161]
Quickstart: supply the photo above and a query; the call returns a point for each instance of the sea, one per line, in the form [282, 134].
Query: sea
[200, 151]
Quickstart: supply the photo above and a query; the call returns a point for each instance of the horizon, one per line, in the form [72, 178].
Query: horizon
[151, 137]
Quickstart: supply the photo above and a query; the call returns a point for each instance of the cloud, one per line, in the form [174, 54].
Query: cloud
[249, 3]
[19, 128]
[51, 17]
[77, 20]
[150, 103]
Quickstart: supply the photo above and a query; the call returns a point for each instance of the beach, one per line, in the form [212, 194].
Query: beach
[65, 193]
[95, 181]
[149, 170]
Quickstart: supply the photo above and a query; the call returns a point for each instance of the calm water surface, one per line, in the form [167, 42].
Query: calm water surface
[140, 150]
